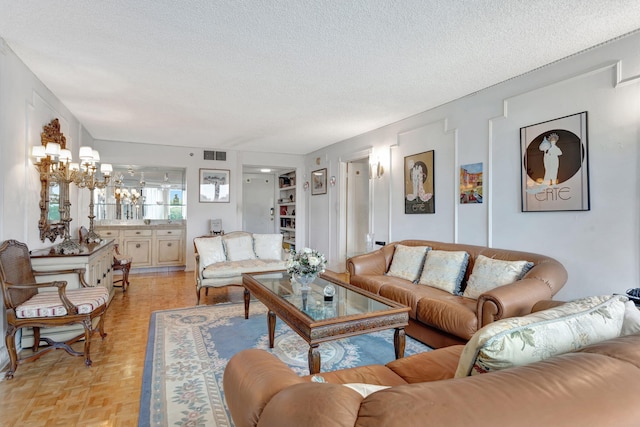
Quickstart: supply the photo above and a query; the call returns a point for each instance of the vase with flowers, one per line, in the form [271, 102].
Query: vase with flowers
[305, 265]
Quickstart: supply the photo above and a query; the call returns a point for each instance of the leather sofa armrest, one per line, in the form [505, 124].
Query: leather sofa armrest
[372, 263]
[435, 365]
[512, 300]
[542, 282]
[251, 378]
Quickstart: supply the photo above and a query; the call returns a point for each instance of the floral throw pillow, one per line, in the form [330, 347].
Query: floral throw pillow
[490, 273]
[444, 270]
[407, 262]
[519, 341]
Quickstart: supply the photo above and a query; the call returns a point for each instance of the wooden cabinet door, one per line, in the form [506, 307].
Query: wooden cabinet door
[139, 250]
[169, 251]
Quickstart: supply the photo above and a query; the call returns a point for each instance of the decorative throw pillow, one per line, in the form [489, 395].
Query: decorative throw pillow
[519, 341]
[631, 322]
[490, 273]
[444, 270]
[210, 250]
[407, 262]
[239, 248]
[268, 246]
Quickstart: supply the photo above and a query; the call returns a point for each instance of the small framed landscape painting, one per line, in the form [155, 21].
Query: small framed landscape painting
[319, 182]
[214, 186]
[471, 183]
[419, 187]
[555, 165]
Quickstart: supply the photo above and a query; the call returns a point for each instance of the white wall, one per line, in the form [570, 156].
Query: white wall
[600, 248]
[26, 105]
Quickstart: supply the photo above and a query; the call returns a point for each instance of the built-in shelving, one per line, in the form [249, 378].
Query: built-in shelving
[287, 208]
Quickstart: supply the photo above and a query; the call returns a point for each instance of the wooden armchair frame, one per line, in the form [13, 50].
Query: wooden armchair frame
[17, 278]
[121, 262]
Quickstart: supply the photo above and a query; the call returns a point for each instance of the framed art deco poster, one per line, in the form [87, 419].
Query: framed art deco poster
[419, 188]
[555, 165]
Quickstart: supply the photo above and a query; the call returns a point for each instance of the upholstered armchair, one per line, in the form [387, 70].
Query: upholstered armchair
[27, 306]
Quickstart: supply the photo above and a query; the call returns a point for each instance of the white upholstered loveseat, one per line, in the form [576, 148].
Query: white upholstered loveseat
[221, 260]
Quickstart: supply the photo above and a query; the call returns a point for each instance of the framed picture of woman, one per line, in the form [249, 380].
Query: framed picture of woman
[555, 165]
[419, 186]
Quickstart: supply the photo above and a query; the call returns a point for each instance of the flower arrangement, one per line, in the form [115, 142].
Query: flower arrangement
[306, 261]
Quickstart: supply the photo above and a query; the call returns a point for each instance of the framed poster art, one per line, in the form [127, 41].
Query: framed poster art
[319, 182]
[471, 183]
[555, 165]
[419, 187]
[214, 186]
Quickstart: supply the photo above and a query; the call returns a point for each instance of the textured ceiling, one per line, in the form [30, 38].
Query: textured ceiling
[287, 76]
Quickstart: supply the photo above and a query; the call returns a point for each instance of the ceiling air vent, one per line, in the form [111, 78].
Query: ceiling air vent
[215, 155]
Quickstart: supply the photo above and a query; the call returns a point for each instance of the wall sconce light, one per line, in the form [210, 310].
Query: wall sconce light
[376, 170]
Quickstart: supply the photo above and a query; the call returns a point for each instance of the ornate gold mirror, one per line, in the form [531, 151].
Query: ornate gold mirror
[51, 191]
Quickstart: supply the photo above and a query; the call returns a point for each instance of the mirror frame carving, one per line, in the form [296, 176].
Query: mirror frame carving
[49, 230]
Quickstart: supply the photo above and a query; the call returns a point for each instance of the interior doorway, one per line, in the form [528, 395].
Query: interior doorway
[357, 206]
[258, 202]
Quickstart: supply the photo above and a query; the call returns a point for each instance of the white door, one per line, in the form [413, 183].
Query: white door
[258, 196]
[357, 206]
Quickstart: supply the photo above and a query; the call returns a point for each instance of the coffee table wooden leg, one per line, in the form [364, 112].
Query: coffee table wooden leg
[271, 323]
[247, 298]
[314, 359]
[399, 340]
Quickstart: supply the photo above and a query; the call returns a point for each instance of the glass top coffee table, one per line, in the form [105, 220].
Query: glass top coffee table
[351, 311]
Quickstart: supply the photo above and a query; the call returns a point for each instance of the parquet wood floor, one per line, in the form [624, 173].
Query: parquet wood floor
[58, 390]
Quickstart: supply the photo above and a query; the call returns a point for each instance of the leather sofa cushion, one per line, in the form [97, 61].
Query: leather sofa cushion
[315, 405]
[370, 374]
[433, 365]
[374, 282]
[409, 294]
[450, 313]
[544, 394]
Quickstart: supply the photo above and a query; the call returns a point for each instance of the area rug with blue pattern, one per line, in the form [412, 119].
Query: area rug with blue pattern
[189, 348]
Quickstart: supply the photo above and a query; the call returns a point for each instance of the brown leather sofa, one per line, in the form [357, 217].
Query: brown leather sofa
[597, 385]
[439, 318]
